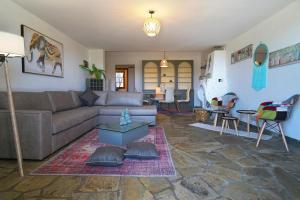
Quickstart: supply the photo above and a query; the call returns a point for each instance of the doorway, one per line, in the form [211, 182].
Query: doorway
[125, 78]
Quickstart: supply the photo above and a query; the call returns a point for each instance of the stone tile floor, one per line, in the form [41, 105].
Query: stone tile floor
[208, 166]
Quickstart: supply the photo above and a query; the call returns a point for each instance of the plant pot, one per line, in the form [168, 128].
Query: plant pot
[93, 76]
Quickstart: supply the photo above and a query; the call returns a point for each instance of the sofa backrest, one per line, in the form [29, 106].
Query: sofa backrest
[124, 99]
[27, 101]
[101, 101]
[61, 100]
[76, 99]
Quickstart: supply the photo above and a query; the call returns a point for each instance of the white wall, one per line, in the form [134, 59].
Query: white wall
[12, 16]
[213, 86]
[277, 32]
[135, 58]
[97, 57]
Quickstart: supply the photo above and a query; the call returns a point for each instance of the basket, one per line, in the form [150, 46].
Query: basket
[201, 114]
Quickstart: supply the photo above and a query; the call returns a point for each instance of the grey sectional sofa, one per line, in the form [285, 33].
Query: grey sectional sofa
[48, 121]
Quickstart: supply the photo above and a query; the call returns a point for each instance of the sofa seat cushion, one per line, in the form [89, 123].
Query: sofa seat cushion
[136, 111]
[70, 118]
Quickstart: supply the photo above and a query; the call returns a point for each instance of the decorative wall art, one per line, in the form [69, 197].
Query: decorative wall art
[43, 55]
[260, 60]
[242, 54]
[285, 56]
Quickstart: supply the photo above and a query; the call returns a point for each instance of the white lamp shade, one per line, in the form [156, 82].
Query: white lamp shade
[11, 45]
[163, 63]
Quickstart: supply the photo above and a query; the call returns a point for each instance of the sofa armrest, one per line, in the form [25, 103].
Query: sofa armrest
[35, 130]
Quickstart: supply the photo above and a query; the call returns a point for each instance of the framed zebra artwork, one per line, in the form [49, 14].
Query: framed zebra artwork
[43, 55]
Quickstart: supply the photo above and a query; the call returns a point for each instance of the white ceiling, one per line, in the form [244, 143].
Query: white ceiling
[187, 25]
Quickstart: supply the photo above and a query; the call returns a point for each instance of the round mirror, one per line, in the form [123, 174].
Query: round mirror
[260, 54]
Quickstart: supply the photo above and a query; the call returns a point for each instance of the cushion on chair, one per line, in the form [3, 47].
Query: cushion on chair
[142, 150]
[88, 98]
[227, 101]
[273, 111]
[109, 156]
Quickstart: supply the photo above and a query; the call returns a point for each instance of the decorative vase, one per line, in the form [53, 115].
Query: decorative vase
[127, 116]
[123, 119]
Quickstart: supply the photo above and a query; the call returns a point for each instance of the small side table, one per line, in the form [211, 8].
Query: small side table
[249, 113]
[217, 112]
[225, 123]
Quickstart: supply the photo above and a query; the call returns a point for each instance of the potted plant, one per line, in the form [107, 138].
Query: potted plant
[94, 72]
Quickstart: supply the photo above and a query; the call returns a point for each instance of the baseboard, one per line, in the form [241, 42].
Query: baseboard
[293, 141]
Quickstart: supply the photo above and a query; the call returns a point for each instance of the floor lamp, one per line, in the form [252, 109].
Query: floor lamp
[12, 46]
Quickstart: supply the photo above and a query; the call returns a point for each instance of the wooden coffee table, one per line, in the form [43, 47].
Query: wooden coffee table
[113, 133]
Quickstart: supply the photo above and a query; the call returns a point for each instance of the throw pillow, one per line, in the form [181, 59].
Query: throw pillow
[101, 101]
[141, 150]
[88, 98]
[109, 156]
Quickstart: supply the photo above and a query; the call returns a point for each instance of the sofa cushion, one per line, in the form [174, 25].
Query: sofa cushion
[147, 110]
[61, 100]
[70, 118]
[27, 101]
[76, 99]
[88, 98]
[101, 101]
[124, 99]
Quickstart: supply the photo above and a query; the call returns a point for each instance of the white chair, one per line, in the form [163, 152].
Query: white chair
[186, 100]
[169, 97]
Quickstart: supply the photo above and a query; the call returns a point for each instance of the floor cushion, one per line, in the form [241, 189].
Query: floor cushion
[109, 156]
[141, 150]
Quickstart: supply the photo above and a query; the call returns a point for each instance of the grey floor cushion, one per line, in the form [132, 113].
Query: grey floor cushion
[141, 150]
[110, 156]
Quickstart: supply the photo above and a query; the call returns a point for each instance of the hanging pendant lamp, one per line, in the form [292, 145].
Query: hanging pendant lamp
[164, 62]
[151, 25]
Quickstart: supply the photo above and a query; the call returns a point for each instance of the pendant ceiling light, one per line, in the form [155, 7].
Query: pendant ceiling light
[151, 25]
[164, 62]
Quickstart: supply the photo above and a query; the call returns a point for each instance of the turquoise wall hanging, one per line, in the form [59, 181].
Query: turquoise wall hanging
[260, 60]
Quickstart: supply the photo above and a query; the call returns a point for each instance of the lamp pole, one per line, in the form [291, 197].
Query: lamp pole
[13, 117]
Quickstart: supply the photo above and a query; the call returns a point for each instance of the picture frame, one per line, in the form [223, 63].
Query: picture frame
[286, 56]
[43, 55]
[242, 54]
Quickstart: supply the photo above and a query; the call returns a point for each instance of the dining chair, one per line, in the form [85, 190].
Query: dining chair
[183, 101]
[169, 97]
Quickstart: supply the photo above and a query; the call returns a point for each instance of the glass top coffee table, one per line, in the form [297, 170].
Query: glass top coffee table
[113, 133]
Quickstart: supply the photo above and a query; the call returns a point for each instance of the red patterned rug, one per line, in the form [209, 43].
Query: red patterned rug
[71, 161]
